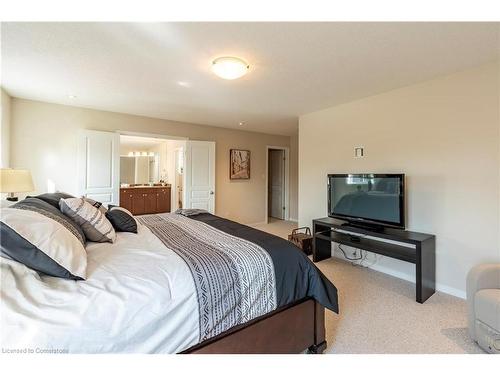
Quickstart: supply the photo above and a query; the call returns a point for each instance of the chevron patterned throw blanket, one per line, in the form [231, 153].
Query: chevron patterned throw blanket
[234, 278]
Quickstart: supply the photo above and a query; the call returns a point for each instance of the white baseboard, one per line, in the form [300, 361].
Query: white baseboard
[293, 219]
[401, 275]
[451, 291]
[411, 278]
[254, 224]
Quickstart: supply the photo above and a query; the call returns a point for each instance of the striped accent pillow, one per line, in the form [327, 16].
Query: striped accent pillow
[96, 204]
[48, 210]
[93, 222]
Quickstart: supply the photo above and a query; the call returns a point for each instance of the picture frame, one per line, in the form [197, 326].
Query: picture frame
[239, 164]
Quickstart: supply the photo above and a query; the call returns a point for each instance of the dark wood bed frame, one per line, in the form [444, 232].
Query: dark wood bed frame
[289, 329]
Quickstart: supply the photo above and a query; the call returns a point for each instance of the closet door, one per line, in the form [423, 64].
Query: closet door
[199, 169]
[98, 167]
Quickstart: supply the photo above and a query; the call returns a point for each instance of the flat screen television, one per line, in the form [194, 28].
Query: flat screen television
[373, 200]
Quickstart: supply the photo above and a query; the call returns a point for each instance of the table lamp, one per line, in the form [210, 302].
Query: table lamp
[15, 181]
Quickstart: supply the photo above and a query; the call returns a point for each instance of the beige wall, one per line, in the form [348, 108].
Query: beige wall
[5, 129]
[43, 139]
[444, 135]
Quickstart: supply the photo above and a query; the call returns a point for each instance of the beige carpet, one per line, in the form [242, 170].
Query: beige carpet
[378, 313]
[277, 227]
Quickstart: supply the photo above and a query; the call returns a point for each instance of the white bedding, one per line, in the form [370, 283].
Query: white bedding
[139, 297]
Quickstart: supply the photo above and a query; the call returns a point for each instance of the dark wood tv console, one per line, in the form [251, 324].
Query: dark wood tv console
[412, 247]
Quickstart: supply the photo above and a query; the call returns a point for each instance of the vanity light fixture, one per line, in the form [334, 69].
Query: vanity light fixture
[228, 67]
[141, 153]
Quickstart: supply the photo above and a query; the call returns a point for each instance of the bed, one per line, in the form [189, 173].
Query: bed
[193, 283]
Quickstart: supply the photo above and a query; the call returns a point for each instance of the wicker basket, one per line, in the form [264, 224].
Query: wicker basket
[302, 238]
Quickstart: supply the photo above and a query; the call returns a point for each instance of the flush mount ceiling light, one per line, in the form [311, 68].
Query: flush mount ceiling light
[230, 67]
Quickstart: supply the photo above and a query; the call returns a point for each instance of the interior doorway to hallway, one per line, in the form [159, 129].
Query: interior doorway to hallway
[277, 183]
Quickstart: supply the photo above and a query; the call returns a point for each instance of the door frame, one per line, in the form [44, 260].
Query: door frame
[173, 191]
[152, 135]
[287, 181]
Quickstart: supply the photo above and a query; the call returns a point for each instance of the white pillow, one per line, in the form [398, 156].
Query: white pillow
[42, 244]
[92, 220]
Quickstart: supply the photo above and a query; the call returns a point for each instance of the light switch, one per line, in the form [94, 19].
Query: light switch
[359, 152]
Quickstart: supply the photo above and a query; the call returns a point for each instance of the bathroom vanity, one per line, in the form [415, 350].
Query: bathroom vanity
[141, 200]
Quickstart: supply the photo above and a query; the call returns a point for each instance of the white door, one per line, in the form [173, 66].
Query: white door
[99, 166]
[277, 183]
[199, 171]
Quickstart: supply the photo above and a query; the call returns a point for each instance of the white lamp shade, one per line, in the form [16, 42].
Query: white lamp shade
[15, 181]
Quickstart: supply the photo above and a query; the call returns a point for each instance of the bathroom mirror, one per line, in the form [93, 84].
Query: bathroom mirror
[139, 169]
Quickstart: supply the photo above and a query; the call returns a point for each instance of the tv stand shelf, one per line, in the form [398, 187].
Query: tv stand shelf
[413, 247]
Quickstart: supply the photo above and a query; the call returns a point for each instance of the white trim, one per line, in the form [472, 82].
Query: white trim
[451, 291]
[254, 224]
[287, 181]
[411, 278]
[293, 219]
[407, 277]
[152, 135]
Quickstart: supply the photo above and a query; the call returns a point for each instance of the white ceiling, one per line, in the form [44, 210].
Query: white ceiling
[296, 68]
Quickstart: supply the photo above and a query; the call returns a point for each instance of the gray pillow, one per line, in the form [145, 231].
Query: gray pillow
[121, 219]
[53, 198]
[93, 222]
[48, 210]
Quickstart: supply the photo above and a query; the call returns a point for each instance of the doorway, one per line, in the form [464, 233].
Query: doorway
[179, 176]
[101, 175]
[277, 184]
[152, 161]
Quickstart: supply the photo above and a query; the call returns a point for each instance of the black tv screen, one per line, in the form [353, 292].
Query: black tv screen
[376, 199]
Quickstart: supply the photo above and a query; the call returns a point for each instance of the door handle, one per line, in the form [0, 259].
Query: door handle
[211, 193]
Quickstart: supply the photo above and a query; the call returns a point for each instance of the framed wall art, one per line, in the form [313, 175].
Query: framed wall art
[239, 164]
